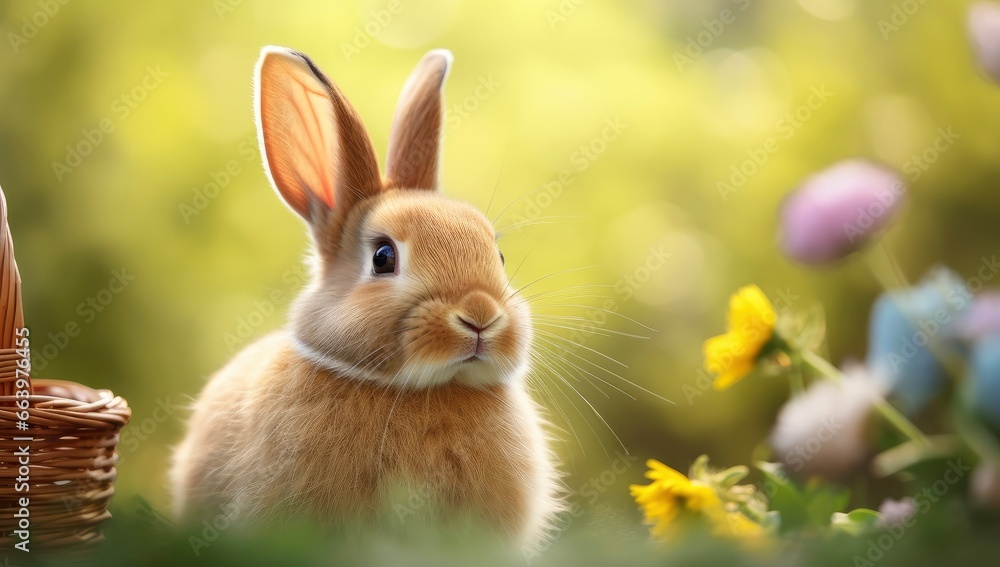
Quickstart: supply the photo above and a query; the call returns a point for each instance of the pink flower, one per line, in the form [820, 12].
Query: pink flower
[896, 513]
[982, 318]
[984, 31]
[985, 485]
[838, 210]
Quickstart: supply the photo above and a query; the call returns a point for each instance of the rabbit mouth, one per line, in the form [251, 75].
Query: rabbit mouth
[480, 351]
[475, 360]
[471, 358]
[478, 354]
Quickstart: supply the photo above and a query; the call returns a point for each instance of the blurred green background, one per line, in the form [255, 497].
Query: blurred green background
[628, 115]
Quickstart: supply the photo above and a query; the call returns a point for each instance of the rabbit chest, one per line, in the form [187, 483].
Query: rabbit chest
[355, 449]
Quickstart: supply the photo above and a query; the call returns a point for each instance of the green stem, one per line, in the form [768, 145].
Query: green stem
[885, 269]
[891, 414]
[905, 455]
[795, 381]
[976, 436]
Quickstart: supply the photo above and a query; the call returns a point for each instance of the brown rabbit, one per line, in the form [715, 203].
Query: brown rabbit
[403, 363]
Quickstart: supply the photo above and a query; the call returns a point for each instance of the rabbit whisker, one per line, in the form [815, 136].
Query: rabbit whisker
[587, 421]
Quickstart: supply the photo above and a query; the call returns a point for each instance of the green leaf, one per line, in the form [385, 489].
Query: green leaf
[813, 328]
[785, 498]
[801, 508]
[804, 330]
[729, 477]
[823, 501]
[699, 469]
[771, 521]
[857, 521]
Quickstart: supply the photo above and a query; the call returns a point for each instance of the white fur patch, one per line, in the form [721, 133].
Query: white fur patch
[414, 376]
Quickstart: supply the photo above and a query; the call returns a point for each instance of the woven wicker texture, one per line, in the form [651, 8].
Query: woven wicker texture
[11, 316]
[74, 435]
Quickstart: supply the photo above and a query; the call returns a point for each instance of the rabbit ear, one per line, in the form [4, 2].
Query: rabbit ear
[316, 151]
[414, 144]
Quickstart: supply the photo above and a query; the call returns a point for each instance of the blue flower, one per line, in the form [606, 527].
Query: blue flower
[911, 337]
[984, 385]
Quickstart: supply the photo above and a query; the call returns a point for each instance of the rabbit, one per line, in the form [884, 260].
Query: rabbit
[403, 363]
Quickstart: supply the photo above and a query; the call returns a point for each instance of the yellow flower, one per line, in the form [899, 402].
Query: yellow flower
[737, 524]
[673, 498]
[751, 320]
[672, 494]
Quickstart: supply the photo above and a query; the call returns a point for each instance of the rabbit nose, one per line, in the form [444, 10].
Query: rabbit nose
[478, 312]
[475, 326]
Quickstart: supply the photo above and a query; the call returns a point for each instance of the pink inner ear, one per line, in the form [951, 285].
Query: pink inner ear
[299, 131]
[314, 140]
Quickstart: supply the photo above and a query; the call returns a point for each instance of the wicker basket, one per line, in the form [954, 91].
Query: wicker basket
[73, 432]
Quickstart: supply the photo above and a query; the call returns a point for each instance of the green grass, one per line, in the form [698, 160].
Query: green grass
[948, 534]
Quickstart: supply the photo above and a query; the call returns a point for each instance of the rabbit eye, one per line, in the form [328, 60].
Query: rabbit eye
[502, 261]
[384, 260]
